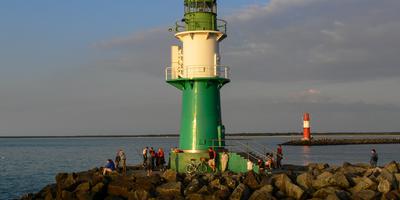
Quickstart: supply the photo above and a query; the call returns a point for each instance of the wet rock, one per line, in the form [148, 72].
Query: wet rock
[324, 192]
[322, 180]
[204, 190]
[66, 181]
[170, 189]
[318, 166]
[117, 190]
[387, 175]
[283, 183]
[84, 187]
[195, 197]
[392, 167]
[222, 192]
[193, 187]
[365, 195]
[252, 181]
[343, 195]
[98, 188]
[230, 182]
[67, 195]
[169, 175]
[215, 184]
[348, 168]
[305, 180]
[138, 195]
[264, 193]
[328, 179]
[384, 186]
[364, 184]
[392, 195]
[332, 197]
[241, 192]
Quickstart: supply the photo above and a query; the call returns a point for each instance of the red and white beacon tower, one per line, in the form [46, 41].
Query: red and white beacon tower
[306, 127]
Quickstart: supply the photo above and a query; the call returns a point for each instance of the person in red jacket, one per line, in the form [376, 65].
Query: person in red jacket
[212, 155]
[160, 159]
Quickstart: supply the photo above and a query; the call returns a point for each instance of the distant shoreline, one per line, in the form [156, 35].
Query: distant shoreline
[228, 134]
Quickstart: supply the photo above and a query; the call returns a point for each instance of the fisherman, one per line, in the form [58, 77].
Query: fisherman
[212, 155]
[279, 156]
[224, 160]
[374, 158]
[109, 167]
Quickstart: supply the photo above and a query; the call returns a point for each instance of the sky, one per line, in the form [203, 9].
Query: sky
[97, 66]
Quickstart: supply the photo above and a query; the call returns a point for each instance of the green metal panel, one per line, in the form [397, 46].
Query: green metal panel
[200, 15]
[179, 161]
[236, 163]
[201, 115]
[201, 112]
[200, 21]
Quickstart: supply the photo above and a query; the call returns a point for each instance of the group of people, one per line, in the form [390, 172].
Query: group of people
[118, 165]
[156, 159]
[270, 163]
[212, 156]
[153, 159]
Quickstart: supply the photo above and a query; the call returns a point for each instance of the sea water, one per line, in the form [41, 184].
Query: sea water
[29, 164]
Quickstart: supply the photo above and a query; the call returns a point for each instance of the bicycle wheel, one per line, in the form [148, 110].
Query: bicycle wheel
[190, 168]
[203, 168]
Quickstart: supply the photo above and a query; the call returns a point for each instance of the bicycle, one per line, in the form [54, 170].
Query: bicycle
[200, 167]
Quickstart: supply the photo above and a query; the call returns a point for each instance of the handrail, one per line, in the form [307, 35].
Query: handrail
[245, 147]
[180, 25]
[194, 71]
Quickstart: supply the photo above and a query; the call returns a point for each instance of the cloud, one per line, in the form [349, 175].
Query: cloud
[337, 60]
[290, 40]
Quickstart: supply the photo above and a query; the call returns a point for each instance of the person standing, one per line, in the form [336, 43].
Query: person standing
[224, 161]
[149, 167]
[152, 157]
[122, 161]
[279, 156]
[212, 155]
[144, 153]
[117, 160]
[161, 159]
[374, 158]
[261, 166]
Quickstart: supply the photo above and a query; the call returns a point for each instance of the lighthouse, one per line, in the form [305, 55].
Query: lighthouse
[196, 70]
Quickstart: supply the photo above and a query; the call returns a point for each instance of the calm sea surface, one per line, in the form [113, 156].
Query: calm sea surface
[27, 165]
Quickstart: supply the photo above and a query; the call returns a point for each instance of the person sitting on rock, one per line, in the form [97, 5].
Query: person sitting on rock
[109, 167]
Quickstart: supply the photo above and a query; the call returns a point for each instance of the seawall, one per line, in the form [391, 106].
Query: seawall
[331, 141]
[316, 181]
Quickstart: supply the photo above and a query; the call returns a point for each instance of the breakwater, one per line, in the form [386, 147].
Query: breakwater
[332, 141]
[317, 181]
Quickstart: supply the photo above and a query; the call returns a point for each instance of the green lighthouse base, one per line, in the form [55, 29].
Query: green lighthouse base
[237, 162]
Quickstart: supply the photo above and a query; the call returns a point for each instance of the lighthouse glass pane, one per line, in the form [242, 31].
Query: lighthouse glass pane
[200, 6]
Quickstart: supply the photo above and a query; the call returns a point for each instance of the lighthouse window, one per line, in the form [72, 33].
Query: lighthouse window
[200, 6]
